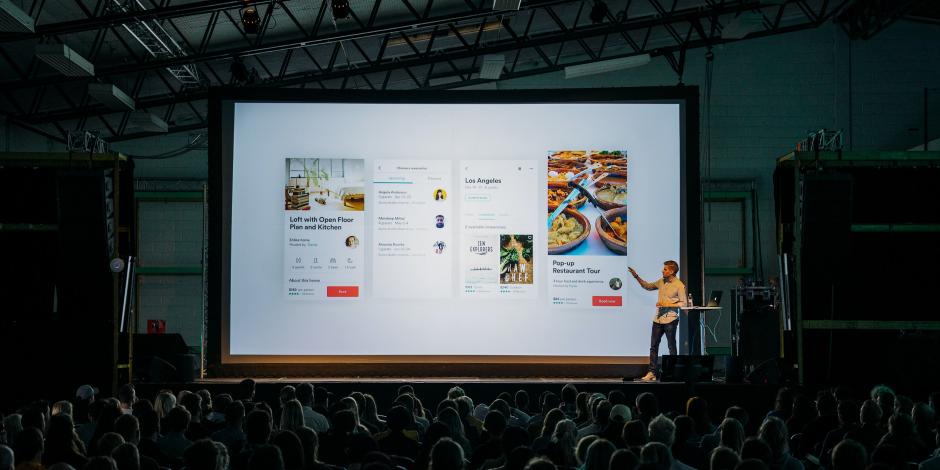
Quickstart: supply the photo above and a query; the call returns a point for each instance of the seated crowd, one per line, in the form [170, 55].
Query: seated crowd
[309, 430]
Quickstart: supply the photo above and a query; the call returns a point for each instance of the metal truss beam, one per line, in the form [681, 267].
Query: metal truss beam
[688, 29]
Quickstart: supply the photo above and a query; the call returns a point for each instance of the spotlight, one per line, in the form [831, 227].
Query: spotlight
[598, 12]
[340, 9]
[251, 20]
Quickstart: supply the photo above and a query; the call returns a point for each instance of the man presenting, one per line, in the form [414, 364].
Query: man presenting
[671, 297]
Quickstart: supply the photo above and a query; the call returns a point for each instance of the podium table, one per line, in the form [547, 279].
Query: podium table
[694, 327]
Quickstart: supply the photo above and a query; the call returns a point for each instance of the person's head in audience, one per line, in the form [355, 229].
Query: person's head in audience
[310, 443]
[685, 430]
[305, 394]
[141, 405]
[602, 413]
[739, 414]
[580, 451]
[505, 396]
[903, 404]
[246, 390]
[752, 464]
[569, 394]
[60, 437]
[513, 437]
[223, 461]
[847, 411]
[164, 402]
[923, 417]
[826, 404]
[206, 399]
[292, 450]
[406, 389]
[521, 399]
[783, 404]
[617, 397]
[126, 457]
[870, 413]
[343, 422]
[12, 425]
[108, 442]
[6, 457]
[883, 395]
[257, 427]
[235, 415]
[100, 462]
[635, 434]
[33, 417]
[697, 409]
[662, 429]
[449, 417]
[900, 425]
[624, 459]
[550, 401]
[756, 448]
[849, 455]
[149, 425]
[447, 403]
[127, 395]
[221, 402]
[464, 406]
[406, 401]
[581, 405]
[128, 426]
[774, 432]
[178, 420]
[28, 446]
[399, 419]
[266, 457]
[731, 434]
[647, 407]
[494, 423]
[62, 407]
[286, 394]
[656, 455]
[446, 455]
[723, 458]
[193, 403]
[550, 420]
[455, 392]
[540, 463]
[292, 415]
[502, 406]
[321, 397]
[598, 455]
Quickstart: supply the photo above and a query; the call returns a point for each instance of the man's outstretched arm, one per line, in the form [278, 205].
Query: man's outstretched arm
[643, 284]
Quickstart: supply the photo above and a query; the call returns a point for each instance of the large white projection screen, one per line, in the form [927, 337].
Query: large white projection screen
[369, 230]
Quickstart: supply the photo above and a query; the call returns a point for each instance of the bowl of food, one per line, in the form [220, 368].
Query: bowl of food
[611, 196]
[615, 234]
[568, 230]
[569, 155]
[557, 195]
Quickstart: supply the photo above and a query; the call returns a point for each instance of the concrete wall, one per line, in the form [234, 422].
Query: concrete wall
[767, 93]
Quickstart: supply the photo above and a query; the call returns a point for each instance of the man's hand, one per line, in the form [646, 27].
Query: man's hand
[632, 272]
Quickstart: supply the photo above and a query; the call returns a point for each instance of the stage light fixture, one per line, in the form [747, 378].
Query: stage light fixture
[251, 21]
[604, 66]
[340, 9]
[111, 96]
[598, 12]
[65, 60]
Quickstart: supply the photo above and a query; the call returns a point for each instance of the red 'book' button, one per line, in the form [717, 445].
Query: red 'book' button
[342, 291]
[606, 301]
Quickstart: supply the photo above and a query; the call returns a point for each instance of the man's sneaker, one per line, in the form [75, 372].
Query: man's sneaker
[649, 377]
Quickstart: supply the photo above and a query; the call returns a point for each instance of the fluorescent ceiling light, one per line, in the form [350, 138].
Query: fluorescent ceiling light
[507, 4]
[65, 60]
[492, 66]
[147, 122]
[111, 96]
[15, 20]
[604, 66]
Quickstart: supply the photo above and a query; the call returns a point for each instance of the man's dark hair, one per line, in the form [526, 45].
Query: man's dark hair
[126, 457]
[234, 414]
[127, 394]
[221, 402]
[177, 420]
[193, 403]
[100, 462]
[751, 464]
[446, 455]
[756, 448]
[321, 395]
[849, 455]
[305, 394]
[447, 403]
[292, 450]
[266, 457]
[128, 426]
[406, 389]
[399, 418]
[246, 389]
[257, 427]
[287, 393]
[494, 423]
[723, 458]
[672, 265]
[569, 393]
[739, 414]
[28, 444]
[647, 405]
[617, 397]
[549, 401]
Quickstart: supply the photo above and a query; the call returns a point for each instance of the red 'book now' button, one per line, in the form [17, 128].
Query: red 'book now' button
[342, 291]
[606, 301]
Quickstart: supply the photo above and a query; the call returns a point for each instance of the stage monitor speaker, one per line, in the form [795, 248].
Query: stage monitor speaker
[163, 358]
[759, 338]
[727, 369]
[682, 368]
